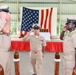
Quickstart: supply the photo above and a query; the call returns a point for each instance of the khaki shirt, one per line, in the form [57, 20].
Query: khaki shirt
[36, 43]
[69, 45]
[1, 25]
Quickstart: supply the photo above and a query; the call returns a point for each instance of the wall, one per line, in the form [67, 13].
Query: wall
[68, 7]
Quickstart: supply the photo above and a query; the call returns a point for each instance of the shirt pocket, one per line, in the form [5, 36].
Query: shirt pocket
[41, 42]
[69, 39]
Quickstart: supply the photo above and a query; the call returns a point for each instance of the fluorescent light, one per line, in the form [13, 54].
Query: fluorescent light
[1, 0]
[74, 0]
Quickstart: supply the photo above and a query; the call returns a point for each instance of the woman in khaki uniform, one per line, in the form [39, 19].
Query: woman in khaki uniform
[5, 39]
[37, 46]
[69, 46]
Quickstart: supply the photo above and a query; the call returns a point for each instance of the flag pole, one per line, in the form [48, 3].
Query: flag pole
[17, 15]
[60, 15]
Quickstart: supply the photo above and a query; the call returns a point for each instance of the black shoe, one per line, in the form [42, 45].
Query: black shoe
[34, 74]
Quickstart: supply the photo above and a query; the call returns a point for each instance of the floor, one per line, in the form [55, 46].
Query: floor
[26, 68]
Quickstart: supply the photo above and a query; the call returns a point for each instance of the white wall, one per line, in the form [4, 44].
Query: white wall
[68, 6]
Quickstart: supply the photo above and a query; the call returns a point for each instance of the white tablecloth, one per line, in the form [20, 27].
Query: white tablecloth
[46, 35]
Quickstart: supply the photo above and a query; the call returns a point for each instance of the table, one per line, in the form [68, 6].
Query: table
[25, 46]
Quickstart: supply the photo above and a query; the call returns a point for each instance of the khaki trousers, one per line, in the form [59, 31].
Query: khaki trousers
[36, 61]
[4, 53]
[5, 62]
[68, 66]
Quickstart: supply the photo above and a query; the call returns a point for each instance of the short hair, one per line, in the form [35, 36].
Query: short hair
[36, 26]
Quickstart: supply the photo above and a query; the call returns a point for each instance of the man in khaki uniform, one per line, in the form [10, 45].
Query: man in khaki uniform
[5, 39]
[37, 45]
[69, 45]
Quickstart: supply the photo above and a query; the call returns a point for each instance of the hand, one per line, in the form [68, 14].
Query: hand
[42, 56]
[64, 28]
[32, 30]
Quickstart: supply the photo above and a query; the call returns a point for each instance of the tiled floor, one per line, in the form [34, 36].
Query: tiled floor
[26, 68]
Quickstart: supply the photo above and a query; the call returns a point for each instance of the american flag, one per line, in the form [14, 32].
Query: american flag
[42, 17]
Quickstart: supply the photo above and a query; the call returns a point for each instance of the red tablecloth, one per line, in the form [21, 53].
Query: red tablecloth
[25, 46]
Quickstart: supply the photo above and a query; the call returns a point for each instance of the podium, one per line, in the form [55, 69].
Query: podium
[46, 35]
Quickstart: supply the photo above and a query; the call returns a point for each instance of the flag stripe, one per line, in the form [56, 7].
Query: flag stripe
[42, 18]
[50, 20]
[45, 22]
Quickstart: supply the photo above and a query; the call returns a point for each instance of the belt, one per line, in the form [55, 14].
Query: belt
[35, 52]
[7, 34]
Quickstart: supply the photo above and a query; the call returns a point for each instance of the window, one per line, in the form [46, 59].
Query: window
[59, 28]
[15, 29]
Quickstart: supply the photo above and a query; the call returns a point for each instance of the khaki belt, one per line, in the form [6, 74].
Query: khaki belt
[7, 34]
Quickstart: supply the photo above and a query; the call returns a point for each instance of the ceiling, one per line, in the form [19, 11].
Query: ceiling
[66, 9]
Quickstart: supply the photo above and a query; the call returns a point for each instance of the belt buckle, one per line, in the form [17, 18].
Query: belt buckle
[35, 52]
[7, 34]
